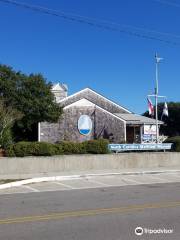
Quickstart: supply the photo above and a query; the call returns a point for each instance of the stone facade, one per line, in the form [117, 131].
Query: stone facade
[104, 125]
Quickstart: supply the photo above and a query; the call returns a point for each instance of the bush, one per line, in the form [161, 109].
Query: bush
[6, 138]
[73, 148]
[44, 149]
[176, 143]
[97, 146]
[9, 152]
[22, 149]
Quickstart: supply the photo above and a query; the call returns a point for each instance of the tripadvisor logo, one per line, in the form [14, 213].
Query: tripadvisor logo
[140, 231]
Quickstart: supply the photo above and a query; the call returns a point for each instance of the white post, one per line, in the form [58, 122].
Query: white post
[39, 132]
[156, 98]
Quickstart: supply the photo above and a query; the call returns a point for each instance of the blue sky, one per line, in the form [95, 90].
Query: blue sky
[117, 65]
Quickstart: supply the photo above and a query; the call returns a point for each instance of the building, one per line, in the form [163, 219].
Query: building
[89, 115]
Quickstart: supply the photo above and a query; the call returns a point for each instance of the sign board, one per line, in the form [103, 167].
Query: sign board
[139, 147]
[84, 125]
[149, 129]
[147, 137]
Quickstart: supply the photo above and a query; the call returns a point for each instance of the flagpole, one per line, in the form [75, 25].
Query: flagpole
[156, 98]
[157, 61]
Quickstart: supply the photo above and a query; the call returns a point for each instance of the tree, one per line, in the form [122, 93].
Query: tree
[172, 122]
[7, 118]
[32, 96]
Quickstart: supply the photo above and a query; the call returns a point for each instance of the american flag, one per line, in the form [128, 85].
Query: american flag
[150, 107]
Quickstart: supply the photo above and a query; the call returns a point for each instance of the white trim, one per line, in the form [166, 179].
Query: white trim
[72, 105]
[96, 94]
[39, 132]
[125, 137]
[73, 95]
[81, 103]
[111, 114]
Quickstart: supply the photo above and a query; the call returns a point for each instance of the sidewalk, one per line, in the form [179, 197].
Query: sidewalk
[102, 172]
[51, 177]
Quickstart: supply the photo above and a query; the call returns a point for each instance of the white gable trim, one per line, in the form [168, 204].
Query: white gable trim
[93, 105]
[76, 104]
[96, 94]
[81, 103]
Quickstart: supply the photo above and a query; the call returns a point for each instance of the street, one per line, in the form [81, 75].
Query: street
[106, 213]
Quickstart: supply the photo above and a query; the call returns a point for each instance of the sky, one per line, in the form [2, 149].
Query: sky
[119, 66]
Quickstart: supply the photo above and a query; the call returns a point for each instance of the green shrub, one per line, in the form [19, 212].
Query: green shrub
[22, 149]
[73, 148]
[97, 146]
[43, 149]
[59, 149]
[9, 152]
[176, 143]
[6, 138]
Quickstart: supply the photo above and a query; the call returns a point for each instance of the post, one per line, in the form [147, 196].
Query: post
[95, 122]
[39, 132]
[156, 98]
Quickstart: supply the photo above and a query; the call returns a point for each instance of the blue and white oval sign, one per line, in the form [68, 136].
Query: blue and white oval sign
[85, 125]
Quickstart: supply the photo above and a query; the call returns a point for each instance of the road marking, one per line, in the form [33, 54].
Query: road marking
[65, 185]
[98, 182]
[133, 181]
[91, 212]
[128, 182]
[30, 188]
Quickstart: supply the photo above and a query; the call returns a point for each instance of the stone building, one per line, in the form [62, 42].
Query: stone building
[89, 115]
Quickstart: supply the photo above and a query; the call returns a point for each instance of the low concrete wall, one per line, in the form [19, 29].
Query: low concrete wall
[37, 166]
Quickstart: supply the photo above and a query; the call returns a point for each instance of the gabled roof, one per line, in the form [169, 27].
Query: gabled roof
[137, 119]
[59, 87]
[94, 92]
[86, 103]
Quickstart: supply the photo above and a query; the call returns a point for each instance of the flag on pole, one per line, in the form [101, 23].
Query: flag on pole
[165, 110]
[150, 107]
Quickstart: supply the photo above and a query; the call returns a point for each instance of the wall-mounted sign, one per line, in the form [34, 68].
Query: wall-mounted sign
[139, 147]
[85, 125]
[150, 129]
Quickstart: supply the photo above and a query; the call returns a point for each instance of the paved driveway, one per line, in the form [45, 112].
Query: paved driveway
[95, 182]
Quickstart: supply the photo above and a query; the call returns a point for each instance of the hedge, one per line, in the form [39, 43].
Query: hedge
[176, 143]
[22, 149]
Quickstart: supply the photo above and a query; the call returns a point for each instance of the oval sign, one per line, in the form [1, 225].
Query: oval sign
[84, 125]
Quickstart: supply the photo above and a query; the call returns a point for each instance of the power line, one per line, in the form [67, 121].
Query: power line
[106, 25]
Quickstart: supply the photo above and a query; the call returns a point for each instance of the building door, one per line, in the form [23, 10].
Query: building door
[130, 134]
[133, 134]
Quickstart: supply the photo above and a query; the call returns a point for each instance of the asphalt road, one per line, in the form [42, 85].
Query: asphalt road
[110, 213]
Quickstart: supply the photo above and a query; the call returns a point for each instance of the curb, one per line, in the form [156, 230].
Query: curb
[79, 176]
